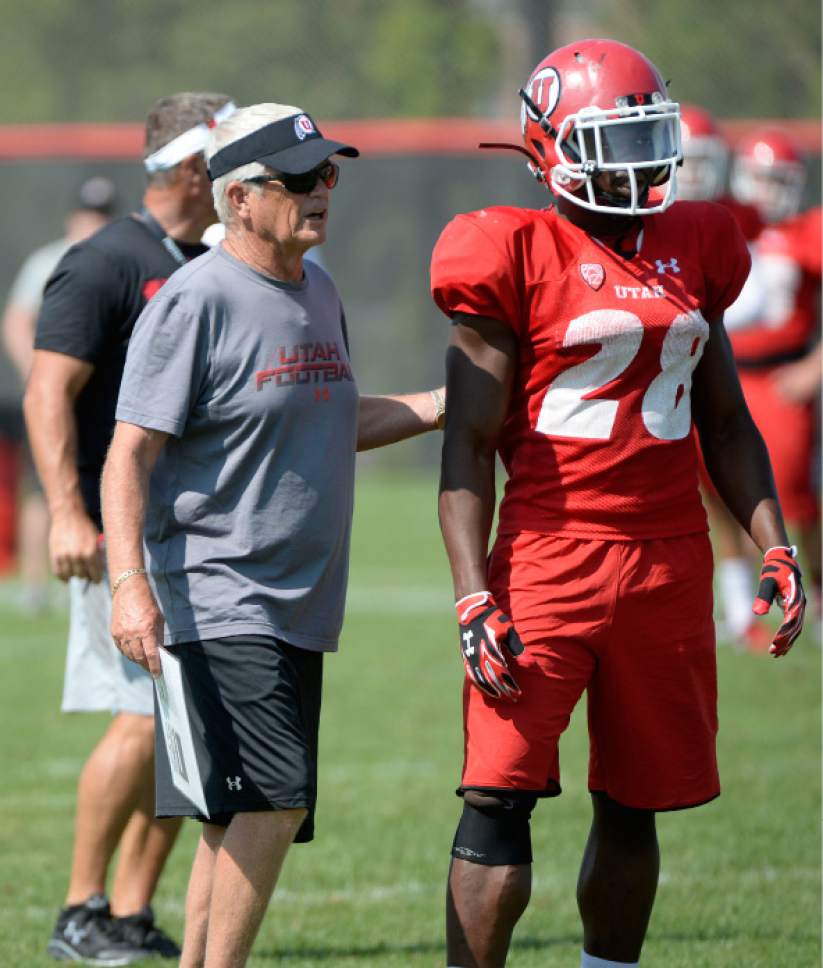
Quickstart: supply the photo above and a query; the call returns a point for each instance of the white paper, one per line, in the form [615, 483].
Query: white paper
[174, 717]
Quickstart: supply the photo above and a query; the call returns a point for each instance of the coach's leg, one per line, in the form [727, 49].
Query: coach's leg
[107, 794]
[198, 897]
[245, 871]
[618, 880]
[144, 849]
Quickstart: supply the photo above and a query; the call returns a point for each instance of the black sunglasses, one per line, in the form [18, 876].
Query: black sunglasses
[304, 183]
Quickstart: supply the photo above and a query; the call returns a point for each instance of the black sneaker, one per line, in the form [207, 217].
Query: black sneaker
[141, 931]
[87, 933]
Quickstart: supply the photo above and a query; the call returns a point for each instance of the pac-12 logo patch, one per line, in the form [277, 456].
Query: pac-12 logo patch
[303, 127]
[593, 274]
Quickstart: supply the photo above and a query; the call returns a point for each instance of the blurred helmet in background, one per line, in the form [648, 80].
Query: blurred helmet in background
[768, 173]
[600, 106]
[702, 176]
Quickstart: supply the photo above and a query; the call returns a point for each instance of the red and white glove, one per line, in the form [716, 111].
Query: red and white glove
[484, 632]
[780, 579]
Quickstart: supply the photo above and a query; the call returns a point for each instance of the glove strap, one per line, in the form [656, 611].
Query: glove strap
[792, 550]
[467, 603]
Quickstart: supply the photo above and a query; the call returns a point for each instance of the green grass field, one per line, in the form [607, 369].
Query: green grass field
[740, 877]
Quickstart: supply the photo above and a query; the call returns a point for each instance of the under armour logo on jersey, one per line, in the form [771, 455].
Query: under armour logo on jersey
[593, 274]
[468, 648]
[663, 266]
[234, 784]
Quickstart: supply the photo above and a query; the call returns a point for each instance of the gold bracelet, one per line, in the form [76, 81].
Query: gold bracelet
[439, 399]
[128, 573]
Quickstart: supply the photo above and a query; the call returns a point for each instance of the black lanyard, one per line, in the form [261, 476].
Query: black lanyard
[159, 233]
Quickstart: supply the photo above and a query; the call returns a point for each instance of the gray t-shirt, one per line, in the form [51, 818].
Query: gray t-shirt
[250, 503]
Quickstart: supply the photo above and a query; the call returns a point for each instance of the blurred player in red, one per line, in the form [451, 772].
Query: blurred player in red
[584, 337]
[704, 173]
[703, 177]
[774, 328]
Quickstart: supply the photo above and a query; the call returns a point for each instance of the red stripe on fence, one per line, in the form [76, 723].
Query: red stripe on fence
[375, 138]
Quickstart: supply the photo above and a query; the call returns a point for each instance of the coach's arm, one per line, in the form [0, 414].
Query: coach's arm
[480, 366]
[384, 420]
[54, 384]
[136, 623]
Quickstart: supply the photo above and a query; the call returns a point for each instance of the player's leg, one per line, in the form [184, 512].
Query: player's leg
[485, 899]
[618, 880]
[511, 748]
[245, 872]
[198, 896]
[652, 709]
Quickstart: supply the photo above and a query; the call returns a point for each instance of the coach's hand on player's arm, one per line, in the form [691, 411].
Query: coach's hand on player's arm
[137, 623]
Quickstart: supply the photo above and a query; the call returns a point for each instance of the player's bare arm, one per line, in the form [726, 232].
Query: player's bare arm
[384, 420]
[480, 365]
[735, 454]
[54, 384]
[137, 623]
[738, 463]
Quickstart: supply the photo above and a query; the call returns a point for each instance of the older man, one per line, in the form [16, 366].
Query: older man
[89, 308]
[238, 422]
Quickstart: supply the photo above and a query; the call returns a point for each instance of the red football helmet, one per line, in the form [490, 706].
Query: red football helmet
[768, 172]
[705, 156]
[601, 106]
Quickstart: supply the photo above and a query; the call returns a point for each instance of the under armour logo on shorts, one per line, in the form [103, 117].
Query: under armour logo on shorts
[663, 266]
[234, 784]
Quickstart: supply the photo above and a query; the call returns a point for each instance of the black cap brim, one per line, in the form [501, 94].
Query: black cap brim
[303, 157]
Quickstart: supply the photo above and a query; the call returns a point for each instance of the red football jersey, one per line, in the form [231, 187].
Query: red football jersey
[787, 261]
[747, 217]
[597, 441]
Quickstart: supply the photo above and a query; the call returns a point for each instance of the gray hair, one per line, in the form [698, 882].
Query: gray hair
[171, 116]
[243, 122]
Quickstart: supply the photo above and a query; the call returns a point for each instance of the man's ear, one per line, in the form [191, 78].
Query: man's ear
[237, 194]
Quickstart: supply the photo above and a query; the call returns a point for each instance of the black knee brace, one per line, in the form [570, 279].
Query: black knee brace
[494, 831]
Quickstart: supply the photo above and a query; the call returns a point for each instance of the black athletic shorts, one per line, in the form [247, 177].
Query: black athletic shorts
[254, 711]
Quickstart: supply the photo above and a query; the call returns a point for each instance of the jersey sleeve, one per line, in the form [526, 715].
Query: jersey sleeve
[82, 304]
[726, 259]
[166, 367]
[472, 272]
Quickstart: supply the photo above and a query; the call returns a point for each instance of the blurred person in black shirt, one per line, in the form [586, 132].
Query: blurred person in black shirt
[89, 307]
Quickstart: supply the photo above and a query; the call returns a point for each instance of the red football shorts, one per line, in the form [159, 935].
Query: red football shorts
[631, 623]
[788, 428]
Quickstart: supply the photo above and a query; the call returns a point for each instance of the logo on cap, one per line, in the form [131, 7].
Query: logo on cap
[303, 127]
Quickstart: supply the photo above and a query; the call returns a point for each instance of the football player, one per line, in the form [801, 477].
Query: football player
[703, 177]
[585, 339]
[774, 329]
